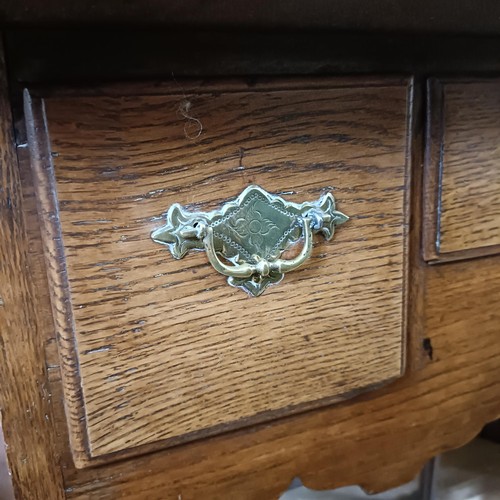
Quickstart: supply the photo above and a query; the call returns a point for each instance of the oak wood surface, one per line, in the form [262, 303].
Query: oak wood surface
[379, 440]
[125, 161]
[432, 169]
[25, 398]
[463, 170]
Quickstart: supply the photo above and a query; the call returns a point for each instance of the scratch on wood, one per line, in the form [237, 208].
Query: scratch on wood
[103, 348]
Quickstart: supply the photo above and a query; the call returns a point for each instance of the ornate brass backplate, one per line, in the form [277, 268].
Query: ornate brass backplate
[246, 238]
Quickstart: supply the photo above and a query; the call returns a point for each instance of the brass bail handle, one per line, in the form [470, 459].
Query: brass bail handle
[250, 233]
[262, 267]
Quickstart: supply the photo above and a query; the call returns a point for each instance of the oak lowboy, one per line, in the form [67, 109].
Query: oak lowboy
[133, 370]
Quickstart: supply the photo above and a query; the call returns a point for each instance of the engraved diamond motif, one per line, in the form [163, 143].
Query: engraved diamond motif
[257, 227]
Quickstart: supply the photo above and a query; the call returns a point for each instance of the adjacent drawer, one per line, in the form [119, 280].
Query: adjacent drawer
[157, 351]
[462, 185]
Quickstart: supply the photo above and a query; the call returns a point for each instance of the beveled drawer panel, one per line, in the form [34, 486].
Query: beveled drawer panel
[164, 351]
[462, 169]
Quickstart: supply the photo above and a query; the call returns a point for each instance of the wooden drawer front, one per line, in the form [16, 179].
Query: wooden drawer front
[164, 350]
[463, 170]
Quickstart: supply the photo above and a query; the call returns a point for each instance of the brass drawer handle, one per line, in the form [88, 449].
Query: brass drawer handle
[262, 267]
[251, 233]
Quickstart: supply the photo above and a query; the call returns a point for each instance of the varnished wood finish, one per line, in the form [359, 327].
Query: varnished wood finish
[55, 270]
[462, 188]
[379, 440]
[147, 372]
[25, 398]
[432, 169]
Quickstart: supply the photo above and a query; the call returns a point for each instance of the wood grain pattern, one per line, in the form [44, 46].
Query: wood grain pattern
[25, 399]
[56, 277]
[147, 373]
[379, 440]
[432, 169]
[463, 186]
